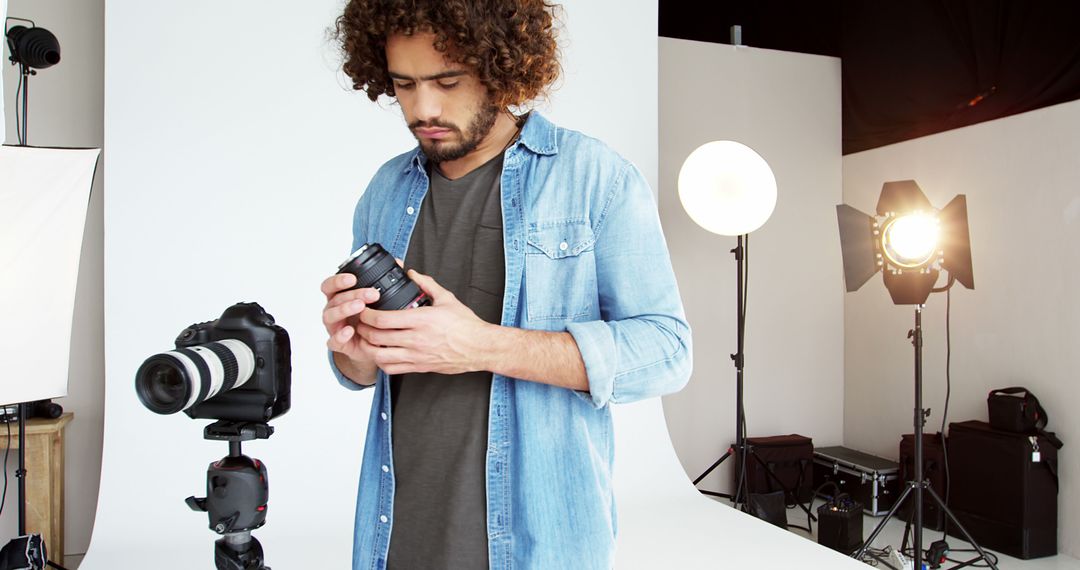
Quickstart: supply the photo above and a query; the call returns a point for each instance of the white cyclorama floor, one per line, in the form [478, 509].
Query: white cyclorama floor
[894, 532]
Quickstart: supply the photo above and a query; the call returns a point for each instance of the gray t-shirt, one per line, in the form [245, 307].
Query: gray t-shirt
[440, 421]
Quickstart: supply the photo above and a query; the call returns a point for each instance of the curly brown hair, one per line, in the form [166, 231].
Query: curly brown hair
[509, 44]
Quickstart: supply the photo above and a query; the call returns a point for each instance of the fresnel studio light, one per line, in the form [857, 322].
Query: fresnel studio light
[911, 243]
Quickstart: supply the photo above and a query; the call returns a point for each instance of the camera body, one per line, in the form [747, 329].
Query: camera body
[236, 368]
[268, 393]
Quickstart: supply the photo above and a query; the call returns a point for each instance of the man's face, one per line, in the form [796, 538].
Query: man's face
[445, 106]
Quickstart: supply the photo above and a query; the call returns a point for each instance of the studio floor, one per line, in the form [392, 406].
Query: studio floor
[894, 532]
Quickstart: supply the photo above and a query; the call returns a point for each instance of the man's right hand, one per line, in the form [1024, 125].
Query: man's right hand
[352, 354]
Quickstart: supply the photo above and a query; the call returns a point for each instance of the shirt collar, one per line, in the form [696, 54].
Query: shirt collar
[538, 135]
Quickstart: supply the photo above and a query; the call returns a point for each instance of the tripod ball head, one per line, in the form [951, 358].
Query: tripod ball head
[236, 495]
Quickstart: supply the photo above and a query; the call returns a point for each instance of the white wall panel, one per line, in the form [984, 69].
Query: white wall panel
[786, 106]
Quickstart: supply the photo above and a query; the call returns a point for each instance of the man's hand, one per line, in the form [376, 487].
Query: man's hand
[446, 337]
[353, 355]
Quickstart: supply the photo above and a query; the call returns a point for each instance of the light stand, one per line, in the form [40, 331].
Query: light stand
[728, 189]
[917, 488]
[29, 48]
[742, 450]
[738, 359]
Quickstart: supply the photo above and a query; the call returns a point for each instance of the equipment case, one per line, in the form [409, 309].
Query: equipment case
[870, 480]
[782, 463]
[1004, 488]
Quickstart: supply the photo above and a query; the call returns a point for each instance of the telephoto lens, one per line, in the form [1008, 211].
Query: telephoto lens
[174, 381]
[374, 267]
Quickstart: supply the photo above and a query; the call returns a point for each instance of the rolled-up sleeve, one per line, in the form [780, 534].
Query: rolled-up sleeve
[359, 231]
[642, 346]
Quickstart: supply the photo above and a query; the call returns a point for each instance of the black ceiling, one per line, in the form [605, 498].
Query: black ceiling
[911, 67]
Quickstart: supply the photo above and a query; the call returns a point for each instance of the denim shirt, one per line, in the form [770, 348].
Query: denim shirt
[584, 254]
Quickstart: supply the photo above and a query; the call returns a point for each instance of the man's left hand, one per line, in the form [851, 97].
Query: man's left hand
[446, 337]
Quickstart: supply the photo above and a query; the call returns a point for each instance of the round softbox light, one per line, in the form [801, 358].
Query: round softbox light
[727, 188]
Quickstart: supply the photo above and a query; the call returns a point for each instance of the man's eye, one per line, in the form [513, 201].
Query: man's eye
[403, 86]
[448, 84]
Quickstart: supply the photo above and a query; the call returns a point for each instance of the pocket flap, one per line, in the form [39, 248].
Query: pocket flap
[559, 240]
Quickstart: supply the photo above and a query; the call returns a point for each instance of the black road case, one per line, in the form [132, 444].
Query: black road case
[871, 480]
[1004, 489]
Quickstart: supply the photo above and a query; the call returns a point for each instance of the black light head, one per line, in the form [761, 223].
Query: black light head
[36, 48]
[909, 241]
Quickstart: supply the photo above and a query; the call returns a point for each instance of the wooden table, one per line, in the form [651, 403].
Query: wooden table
[44, 479]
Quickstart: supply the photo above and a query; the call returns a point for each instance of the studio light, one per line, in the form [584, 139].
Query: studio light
[31, 49]
[728, 189]
[36, 48]
[909, 241]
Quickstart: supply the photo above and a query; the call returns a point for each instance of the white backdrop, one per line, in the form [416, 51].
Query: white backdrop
[236, 154]
[235, 157]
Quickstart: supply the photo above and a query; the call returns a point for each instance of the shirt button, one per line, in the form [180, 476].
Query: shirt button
[383, 416]
[385, 469]
[563, 246]
[409, 210]
[382, 518]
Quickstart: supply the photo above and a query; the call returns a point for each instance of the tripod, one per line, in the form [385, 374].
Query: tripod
[744, 451]
[916, 488]
[236, 496]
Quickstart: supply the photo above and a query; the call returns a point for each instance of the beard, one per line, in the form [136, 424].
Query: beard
[445, 151]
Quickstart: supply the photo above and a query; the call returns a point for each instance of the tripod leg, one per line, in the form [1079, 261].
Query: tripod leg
[963, 530]
[881, 525]
[713, 466]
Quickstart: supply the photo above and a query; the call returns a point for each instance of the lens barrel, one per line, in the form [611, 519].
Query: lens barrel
[374, 267]
[173, 381]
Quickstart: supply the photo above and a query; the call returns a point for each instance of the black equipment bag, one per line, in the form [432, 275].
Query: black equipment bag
[769, 507]
[1004, 489]
[24, 553]
[1016, 409]
[783, 463]
[933, 471]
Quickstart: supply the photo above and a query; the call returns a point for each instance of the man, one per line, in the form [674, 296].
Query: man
[490, 442]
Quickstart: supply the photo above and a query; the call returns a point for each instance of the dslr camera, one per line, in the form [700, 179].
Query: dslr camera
[236, 368]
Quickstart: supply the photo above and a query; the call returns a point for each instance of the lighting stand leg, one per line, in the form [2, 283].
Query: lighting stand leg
[915, 488]
[949, 514]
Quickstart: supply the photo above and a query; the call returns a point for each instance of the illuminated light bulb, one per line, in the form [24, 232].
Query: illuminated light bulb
[911, 240]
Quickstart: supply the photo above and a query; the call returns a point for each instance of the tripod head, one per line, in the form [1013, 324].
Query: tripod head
[237, 493]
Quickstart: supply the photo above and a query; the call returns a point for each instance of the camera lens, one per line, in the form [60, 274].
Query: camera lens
[173, 381]
[374, 267]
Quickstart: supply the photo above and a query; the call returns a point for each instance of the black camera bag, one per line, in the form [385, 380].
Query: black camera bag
[24, 553]
[1011, 411]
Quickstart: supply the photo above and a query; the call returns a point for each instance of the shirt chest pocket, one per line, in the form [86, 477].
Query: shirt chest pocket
[560, 272]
